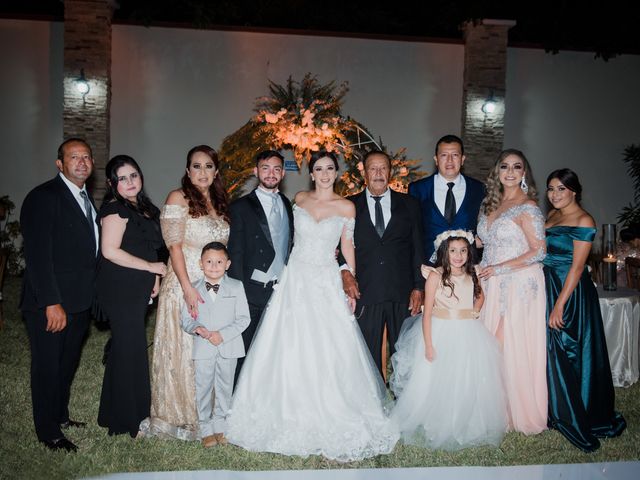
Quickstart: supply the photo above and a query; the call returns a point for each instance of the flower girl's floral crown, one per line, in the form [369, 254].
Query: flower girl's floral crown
[448, 234]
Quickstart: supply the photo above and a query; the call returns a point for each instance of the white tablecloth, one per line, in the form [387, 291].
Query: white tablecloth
[621, 318]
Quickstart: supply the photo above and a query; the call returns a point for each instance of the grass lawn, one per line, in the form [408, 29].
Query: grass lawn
[21, 456]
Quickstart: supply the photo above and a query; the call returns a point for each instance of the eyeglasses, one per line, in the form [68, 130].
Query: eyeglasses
[129, 178]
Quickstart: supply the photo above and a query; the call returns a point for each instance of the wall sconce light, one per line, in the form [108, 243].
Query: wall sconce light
[489, 105]
[82, 86]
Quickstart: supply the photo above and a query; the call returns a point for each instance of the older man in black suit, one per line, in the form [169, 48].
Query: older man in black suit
[260, 238]
[60, 245]
[388, 239]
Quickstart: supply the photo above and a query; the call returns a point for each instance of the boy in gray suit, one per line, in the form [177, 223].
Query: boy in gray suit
[218, 342]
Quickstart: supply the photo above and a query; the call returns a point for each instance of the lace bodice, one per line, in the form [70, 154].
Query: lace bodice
[517, 232]
[316, 242]
[173, 409]
[194, 233]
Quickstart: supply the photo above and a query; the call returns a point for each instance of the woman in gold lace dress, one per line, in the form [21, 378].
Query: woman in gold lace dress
[193, 216]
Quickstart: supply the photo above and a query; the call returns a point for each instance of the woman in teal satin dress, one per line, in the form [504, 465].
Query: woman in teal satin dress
[581, 395]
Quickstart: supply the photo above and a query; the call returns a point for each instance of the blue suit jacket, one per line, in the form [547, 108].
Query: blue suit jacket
[433, 222]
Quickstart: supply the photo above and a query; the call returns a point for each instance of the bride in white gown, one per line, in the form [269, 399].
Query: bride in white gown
[309, 385]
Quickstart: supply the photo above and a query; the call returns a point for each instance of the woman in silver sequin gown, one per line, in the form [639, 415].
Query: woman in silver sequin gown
[511, 227]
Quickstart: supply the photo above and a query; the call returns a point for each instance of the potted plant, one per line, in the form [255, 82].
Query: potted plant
[11, 258]
[6, 205]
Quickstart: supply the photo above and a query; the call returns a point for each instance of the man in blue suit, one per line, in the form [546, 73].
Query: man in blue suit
[449, 199]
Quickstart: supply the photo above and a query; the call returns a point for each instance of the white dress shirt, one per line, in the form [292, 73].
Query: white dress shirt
[75, 191]
[385, 203]
[266, 200]
[440, 189]
[212, 293]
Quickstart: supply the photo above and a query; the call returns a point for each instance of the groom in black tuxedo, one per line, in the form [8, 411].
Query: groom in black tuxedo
[260, 239]
[388, 285]
[60, 245]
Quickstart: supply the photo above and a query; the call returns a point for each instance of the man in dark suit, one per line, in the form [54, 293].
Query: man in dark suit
[449, 199]
[388, 285]
[60, 245]
[260, 238]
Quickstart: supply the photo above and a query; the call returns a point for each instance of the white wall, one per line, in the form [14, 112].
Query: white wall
[569, 110]
[175, 88]
[30, 104]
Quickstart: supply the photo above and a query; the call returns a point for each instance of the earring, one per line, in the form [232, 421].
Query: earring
[523, 185]
[313, 179]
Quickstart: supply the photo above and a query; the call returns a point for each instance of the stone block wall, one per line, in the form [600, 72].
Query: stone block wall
[485, 68]
[87, 47]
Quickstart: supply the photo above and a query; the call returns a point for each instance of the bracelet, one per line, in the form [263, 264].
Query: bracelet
[501, 270]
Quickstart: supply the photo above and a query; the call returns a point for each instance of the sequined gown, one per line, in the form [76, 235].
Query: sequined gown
[173, 408]
[308, 385]
[515, 310]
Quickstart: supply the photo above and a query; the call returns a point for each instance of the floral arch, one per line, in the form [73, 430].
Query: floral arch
[304, 117]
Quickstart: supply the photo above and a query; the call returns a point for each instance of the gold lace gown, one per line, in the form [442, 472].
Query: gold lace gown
[173, 409]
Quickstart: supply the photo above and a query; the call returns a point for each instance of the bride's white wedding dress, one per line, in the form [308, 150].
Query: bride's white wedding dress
[309, 385]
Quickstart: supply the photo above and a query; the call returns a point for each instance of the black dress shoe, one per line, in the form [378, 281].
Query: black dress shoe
[60, 444]
[72, 423]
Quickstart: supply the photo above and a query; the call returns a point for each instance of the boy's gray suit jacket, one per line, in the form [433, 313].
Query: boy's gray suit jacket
[229, 315]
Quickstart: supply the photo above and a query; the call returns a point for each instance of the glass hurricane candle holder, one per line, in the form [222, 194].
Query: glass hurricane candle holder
[609, 256]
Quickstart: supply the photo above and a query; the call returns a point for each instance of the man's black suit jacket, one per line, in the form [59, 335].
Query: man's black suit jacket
[250, 245]
[59, 250]
[388, 268]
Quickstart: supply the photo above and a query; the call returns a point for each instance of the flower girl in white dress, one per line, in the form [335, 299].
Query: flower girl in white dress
[447, 366]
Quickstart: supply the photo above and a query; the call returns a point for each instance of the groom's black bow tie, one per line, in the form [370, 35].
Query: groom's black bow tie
[215, 286]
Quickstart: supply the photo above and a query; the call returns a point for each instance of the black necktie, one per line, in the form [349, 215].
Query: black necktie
[214, 286]
[450, 204]
[379, 217]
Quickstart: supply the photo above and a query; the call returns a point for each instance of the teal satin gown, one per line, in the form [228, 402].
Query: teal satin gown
[581, 396]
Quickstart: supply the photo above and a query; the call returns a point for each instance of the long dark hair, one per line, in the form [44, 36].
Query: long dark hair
[569, 179]
[442, 260]
[315, 156]
[144, 206]
[196, 201]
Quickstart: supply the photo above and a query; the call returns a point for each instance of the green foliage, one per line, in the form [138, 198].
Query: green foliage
[326, 100]
[296, 116]
[403, 170]
[10, 237]
[631, 213]
[302, 117]
[237, 154]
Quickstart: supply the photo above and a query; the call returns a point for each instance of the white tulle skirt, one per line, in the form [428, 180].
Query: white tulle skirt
[456, 401]
[309, 385]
